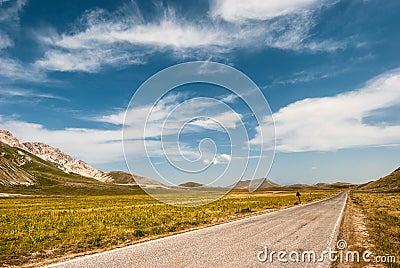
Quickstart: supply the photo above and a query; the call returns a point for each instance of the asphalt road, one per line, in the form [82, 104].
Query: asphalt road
[311, 227]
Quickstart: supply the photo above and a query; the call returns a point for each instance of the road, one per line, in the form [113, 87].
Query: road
[310, 227]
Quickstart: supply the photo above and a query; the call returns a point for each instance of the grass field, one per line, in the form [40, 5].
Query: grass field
[33, 229]
[382, 211]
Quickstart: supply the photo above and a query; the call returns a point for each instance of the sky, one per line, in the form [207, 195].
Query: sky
[329, 71]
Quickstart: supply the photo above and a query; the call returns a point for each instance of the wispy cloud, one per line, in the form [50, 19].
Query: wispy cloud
[175, 114]
[305, 76]
[12, 69]
[124, 37]
[23, 93]
[102, 38]
[5, 41]
[9, 11]
[331, 123]
[240, 11]
[171, 113]
[99, 146]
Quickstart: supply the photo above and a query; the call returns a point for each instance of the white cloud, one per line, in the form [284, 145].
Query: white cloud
[12, 69]
[125, 37]
[86, 60]
[218, 122]
[229, 98]
[22, 93]
[331, 123]
[171, 113]
[99, 146]
[239, 11]
[222, 159]
[124, 40]
[9, 10]
[5, 41]
[91, 145]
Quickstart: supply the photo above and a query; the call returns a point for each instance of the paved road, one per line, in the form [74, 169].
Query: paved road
[303, 228]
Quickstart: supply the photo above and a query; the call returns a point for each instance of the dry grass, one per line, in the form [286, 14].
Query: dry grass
[372, 222]
[39, 228]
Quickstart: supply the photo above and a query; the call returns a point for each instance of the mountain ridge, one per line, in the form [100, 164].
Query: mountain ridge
[54, 155]
[14, 155]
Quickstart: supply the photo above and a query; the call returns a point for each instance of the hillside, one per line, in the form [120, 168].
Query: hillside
[12, 171]
[54, 155]
[191, 184]
[121, 177]
[13, 174]
[24, 173]
[388, 183]
[263, 182]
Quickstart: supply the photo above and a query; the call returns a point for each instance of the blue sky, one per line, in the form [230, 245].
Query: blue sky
[328, 69]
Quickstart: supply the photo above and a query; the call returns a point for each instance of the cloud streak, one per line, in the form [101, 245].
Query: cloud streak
[125, 37]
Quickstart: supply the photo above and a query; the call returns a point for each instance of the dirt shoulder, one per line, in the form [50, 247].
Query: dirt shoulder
[354, 231]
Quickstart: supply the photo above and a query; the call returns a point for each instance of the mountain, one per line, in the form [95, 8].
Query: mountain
[65, 162]
[21, 168]
[54, 155]
[263, 182]
[24, 173]
[390, 182]
[38, 164]
[121, 177]
[191, 184]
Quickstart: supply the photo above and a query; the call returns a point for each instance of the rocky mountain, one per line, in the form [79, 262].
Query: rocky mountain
[54, 155]
[24, 173]
[65, 162]
[8, 138]
[263, 182]
[13, 169]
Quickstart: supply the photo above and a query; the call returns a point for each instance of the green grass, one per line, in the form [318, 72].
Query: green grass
[383, 220]
[35, 228]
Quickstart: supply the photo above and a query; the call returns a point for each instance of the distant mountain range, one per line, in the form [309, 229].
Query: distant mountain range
[36, 163]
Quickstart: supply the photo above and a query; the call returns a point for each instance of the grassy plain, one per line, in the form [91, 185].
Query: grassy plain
[42, 228]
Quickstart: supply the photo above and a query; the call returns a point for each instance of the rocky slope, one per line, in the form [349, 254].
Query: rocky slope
[54, 155]
[11, 167]
[65, 162]
[22, 173]
[8, 138]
